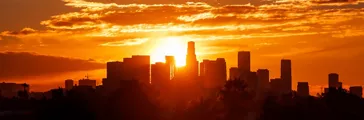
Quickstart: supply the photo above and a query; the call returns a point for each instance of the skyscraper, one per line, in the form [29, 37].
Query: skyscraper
[244, 61]
[286, 75]
[114, 71]
[213, 73]
[68, 84]
[234, 73]
[303, 89]
[276, 86]
[263, 79]
[191, 61]
[171, 63]
[333, 80]
[160, 76]
[356, 90]
[137, 68]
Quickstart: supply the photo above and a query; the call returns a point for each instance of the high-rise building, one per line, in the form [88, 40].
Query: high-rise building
[286, 75]
[263, 79]
[87, 82]
[213, 73]
[160, 75]
[234, 73]
[244, 61]
[356, 90]
[276, 86]
[303, 89]
[68, 84]
[171, 63]
[191, 62]
[114, 70]
[138, 68]
[333, 80]
[252, 81]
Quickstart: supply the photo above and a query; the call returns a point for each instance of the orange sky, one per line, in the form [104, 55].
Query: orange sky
[320, 36]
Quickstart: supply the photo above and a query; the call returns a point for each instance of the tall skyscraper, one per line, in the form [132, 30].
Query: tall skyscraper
[356, 90]
[333, 80]
[286, 75]
[213, 73]
[303, 89]
[276, 86]
[114, 70]
[160, 75]
[244, 61]
[263, 79]
[171, 63]
[252, 81]
[191, 61]
[68, 84]
[137, 68]
[234, 73]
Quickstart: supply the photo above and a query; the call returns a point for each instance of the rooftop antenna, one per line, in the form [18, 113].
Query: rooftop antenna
[87, 76]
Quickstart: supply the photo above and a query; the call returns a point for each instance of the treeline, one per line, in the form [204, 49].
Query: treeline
[143, 102]
[15, 64]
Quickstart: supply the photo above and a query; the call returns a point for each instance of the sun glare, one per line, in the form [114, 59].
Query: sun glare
[173, 46]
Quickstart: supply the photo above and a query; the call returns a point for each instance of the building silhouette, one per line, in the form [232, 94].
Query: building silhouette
[356, 90]
[303, 89]
[171, 63]
[244, 61]
[213, 73]
[234, 73]
[87, 82]
[276, 86]
[191, 62]
[160, 75]
[263, 79]
[10, 90]
[137, 68]
[286, 75]
[333, 80]
[244, 64]
[252, 81]
[68, 84]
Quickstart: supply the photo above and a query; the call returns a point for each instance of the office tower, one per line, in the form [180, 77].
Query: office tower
[356, 90]
[276, 86]
[234, 73]
[171, 63]
[160, 75]
[286, 75]
[213, 73]
[137, 68]
[303, 89]
[68, 84]
[333, 80]
[252, 81]
[191, 61]
[244, 61]
[87, 82]
[263, 79]
[114, 70]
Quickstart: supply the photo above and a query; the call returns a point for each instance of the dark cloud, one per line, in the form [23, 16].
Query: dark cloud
[18, 14]
[14, 64]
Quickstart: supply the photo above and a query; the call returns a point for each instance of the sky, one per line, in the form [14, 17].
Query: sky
[319, 36]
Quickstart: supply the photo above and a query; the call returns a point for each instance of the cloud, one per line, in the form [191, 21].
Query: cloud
[128, 42]
[20, 64]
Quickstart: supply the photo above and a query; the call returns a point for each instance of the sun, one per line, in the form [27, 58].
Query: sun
[173, 46]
